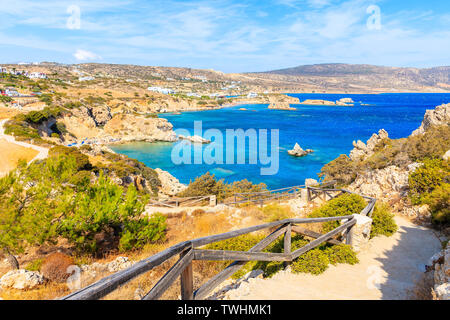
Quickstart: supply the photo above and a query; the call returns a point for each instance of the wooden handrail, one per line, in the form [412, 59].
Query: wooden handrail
[189, 252]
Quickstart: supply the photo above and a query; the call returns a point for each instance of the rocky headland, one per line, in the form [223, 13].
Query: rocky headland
[342, 102]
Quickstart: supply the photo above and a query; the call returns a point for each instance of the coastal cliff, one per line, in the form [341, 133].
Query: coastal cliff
[410, 173]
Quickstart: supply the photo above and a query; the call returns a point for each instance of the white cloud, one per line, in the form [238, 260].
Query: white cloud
[83, 55]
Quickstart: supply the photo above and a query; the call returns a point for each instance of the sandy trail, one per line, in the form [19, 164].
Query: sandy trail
[19, 150]
[388, 269]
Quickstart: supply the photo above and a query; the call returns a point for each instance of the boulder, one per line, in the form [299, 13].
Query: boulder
[437, 117]
[195, 139]
[299, 152]
[446, 156]
[21, 279]
[345, 102]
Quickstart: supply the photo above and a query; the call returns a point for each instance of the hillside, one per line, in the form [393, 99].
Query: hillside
[364, 78]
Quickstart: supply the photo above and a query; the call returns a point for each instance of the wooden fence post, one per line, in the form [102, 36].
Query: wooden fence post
[187, 281]
[287, 241]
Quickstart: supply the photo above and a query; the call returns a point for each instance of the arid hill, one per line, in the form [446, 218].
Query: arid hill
[364, 78]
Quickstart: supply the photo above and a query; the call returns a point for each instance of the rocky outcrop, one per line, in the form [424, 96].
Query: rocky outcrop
[101, 115]
[127, 128]
[21, 280]
[282, 102]
[345, 102]
[437, 117]
[299, 152]
[281, 106]
[170, 186]
[387, 182]
[342, 102]
[119, 264]
[362, 150]
[318, 102]
[440, 264]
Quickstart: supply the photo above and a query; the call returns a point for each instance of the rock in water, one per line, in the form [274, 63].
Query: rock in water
[195, 139]
[21, 279]
[299, 152]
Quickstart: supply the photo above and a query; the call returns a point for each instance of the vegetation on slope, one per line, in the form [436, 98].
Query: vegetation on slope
[62, 198]
[399, 152]
[316, 260]
[209, 185]
[430, 184]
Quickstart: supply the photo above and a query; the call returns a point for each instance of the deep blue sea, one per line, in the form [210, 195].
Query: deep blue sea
[329, 131]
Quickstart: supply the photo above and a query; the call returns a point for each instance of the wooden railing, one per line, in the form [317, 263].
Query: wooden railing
[192, 250]
[260, 198]
[328, 194]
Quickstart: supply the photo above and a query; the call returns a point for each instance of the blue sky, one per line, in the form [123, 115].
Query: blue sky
[227, 35]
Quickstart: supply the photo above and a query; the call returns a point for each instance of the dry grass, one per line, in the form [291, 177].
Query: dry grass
[6, 113]
[181, 227]
[10, 154]
[423, 288]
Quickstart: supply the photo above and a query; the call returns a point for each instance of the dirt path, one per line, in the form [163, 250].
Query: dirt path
[20, 151]
[388, 268]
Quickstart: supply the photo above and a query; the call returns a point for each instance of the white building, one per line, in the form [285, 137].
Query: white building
[252, 95]
[161, 90]
[37, 75]
[88, 78]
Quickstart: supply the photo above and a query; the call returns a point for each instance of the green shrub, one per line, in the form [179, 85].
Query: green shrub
[314, 261]
[383, 221]
[439, 201]
[341, 169]
[207, 184]
[139, 232]
[426, 178]
[47, 98]
[55, 198]
[81, 159]
[344, 205]
[341, 254]
[34, 265]
[270, 268]
[5, 99]
[432, 144]
[241, 243]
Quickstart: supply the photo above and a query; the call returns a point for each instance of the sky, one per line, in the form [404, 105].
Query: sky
[227, 35]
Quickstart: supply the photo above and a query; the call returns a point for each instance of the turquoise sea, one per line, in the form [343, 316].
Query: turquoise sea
[329, 131]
